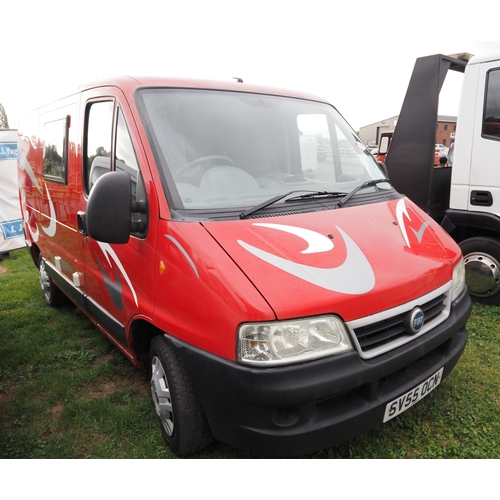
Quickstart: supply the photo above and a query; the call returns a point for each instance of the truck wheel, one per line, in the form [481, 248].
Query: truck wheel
[182, 420]
[51, 294]
[482, 269]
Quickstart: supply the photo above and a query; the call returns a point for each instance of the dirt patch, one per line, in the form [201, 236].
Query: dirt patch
[55, 412]
[102, 359]
[102, 390]
[3, 269]
[5, 396]
[138, 382]
[141, 384]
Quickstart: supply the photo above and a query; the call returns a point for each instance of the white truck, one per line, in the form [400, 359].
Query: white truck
[464, 199]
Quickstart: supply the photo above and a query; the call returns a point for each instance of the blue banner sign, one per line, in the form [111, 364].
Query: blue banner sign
[12, 228]
[8, 150]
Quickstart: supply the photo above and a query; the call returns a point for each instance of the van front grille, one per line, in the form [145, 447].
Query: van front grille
[388, 330]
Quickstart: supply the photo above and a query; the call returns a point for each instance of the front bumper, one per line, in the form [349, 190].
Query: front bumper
[298, 409]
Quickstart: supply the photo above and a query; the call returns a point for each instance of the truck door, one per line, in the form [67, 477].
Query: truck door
[118, 278]
[484, 188]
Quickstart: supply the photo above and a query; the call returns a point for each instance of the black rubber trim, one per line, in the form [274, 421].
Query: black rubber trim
[463, 218]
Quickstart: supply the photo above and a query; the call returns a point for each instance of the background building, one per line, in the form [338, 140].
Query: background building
[370, 134]
[445, 130]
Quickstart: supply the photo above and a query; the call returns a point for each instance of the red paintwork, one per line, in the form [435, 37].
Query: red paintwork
[206, 310]
[425, 266]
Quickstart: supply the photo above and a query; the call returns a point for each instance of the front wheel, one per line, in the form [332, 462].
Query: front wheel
[482, 269]
[182, 420]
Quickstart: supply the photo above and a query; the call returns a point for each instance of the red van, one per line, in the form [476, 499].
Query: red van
[242, 243]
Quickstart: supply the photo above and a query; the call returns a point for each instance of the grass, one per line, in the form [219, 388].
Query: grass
[66, 392]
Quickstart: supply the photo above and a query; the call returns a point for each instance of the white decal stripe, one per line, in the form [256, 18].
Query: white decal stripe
[107, 250]
[400, 210]
[184, 253]
[50, 230]
[35, 235]
[316, 241]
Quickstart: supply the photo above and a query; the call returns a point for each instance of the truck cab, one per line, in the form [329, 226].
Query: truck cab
[464, 199]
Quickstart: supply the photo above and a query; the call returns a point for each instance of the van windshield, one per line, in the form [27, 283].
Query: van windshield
[220, 150]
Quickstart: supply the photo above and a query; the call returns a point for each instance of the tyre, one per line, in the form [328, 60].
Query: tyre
[182, 420]
[51, 294]
[482, 269]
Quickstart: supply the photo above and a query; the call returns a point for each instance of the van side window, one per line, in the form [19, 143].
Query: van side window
[124, 153]
[491, 119]
[55, 150]
[97, 155]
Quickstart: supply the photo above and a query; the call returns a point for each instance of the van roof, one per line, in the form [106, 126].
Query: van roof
[130, 83]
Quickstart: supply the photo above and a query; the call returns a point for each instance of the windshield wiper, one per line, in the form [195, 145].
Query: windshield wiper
[269, 202]
[318, 194]
[310, 194]
[366, 184]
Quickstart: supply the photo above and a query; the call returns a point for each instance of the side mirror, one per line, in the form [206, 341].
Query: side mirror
[109, 208]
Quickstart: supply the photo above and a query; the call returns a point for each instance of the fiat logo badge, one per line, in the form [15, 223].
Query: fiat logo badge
[415, 321]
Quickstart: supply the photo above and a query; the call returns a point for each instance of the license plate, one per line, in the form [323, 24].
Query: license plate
[407, 400]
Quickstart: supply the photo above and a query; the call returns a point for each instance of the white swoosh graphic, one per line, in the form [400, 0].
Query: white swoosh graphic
[402, 210]
[184, 253]
[26, 218]
[107, 250]
[23, 162]
[317, 242]
[420, 233]
[34, 235]
[50, 230]
[355, 276]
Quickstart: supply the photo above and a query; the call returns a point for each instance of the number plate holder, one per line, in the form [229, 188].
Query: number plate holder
[410, 398]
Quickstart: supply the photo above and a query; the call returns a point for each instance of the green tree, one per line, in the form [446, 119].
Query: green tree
[4, 122]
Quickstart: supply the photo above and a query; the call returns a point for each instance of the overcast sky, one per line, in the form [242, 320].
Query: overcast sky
[358, 55]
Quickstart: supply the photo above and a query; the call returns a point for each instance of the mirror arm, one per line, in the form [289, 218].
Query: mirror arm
[383, 167]
[139, 207]
[138, 227]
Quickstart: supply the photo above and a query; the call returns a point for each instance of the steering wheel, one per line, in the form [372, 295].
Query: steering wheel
[204, 159]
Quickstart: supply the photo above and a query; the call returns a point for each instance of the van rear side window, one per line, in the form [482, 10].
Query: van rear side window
[55, 150]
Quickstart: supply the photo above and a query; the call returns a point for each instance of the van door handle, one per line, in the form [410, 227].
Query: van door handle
[481, 198]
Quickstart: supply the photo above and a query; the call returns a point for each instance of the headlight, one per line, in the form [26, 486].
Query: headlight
[458, 283]
[294, 341]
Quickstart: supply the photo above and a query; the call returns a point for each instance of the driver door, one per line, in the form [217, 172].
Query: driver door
[118, 277]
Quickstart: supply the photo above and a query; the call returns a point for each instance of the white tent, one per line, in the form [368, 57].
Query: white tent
[11, 223]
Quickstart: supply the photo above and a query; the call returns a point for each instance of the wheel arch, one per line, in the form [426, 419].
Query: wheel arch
[142, 333]
[34, 252]
[462, 225]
